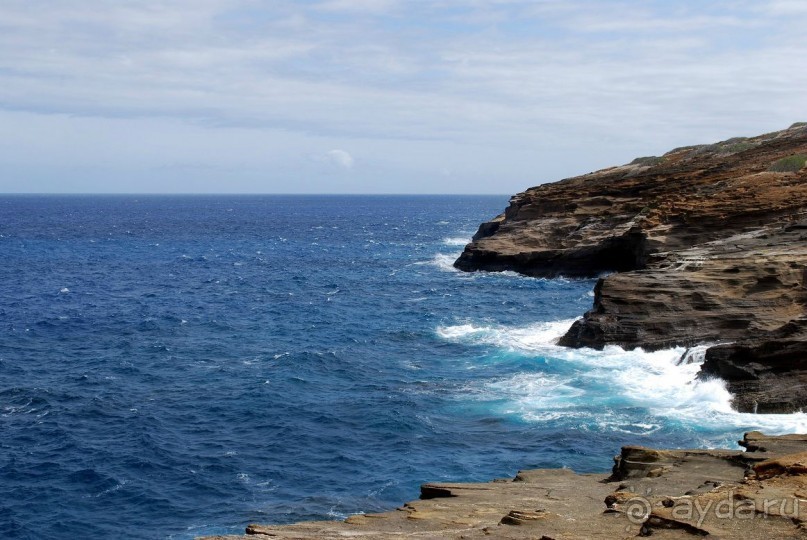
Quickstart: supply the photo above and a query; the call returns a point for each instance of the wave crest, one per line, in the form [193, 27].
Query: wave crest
[605, 388]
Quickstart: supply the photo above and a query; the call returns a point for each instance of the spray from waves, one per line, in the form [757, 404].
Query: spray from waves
[535, 337]
[601, 388]
[460, 241]
[444, 262]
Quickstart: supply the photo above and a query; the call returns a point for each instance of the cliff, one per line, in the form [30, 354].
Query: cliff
[675, 494]
[705, 244]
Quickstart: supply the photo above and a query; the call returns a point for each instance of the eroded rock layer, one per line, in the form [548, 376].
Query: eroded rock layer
[708, 245]
[681, 494]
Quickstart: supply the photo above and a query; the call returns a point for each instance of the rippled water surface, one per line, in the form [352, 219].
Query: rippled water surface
[179, 366]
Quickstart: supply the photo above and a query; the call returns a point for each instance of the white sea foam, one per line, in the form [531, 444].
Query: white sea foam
[338, 516]
[444, 262]
[599, 388]
[456, 241]
[113, 489]
[535, 337]
[536, 391]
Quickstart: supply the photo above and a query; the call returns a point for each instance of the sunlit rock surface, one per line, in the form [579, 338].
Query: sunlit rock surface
[757, 494]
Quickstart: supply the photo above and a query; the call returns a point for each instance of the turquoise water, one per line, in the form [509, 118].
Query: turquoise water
[180, 366]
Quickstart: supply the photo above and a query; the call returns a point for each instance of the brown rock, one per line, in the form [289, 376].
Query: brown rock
[709, 245]
[699, 493]
[614, 219]
[766, 373]
[791, 464]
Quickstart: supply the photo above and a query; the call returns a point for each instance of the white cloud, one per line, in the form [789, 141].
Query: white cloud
[370, 6]
[527, 81]
[340, 158]
[787, 7]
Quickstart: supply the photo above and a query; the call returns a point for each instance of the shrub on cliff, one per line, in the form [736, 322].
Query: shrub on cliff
[789, 164]
[647, 161]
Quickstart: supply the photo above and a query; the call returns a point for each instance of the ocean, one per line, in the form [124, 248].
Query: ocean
[175, 366]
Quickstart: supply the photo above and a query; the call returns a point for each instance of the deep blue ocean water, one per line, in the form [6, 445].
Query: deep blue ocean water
[173, 366]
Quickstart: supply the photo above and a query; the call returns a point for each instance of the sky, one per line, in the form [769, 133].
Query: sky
[379, 96]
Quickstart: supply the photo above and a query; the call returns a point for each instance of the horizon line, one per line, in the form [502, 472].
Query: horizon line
[191, 194]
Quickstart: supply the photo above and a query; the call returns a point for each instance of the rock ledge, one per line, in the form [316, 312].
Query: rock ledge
[757, 494]
[708, 244]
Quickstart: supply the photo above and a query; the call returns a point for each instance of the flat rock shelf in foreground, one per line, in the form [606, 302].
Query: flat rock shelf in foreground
[757, 494]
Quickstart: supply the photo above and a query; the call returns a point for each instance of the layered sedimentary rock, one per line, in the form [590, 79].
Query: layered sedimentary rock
[707, 244]
[767, 373]
[757, 494]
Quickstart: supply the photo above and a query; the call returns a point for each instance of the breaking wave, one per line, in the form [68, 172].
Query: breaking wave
[635, 391]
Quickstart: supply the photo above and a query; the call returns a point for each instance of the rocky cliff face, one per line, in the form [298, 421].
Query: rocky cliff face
[707, 244]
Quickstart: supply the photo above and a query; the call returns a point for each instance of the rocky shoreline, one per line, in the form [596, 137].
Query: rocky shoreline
[704, 245]
[760, 493]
